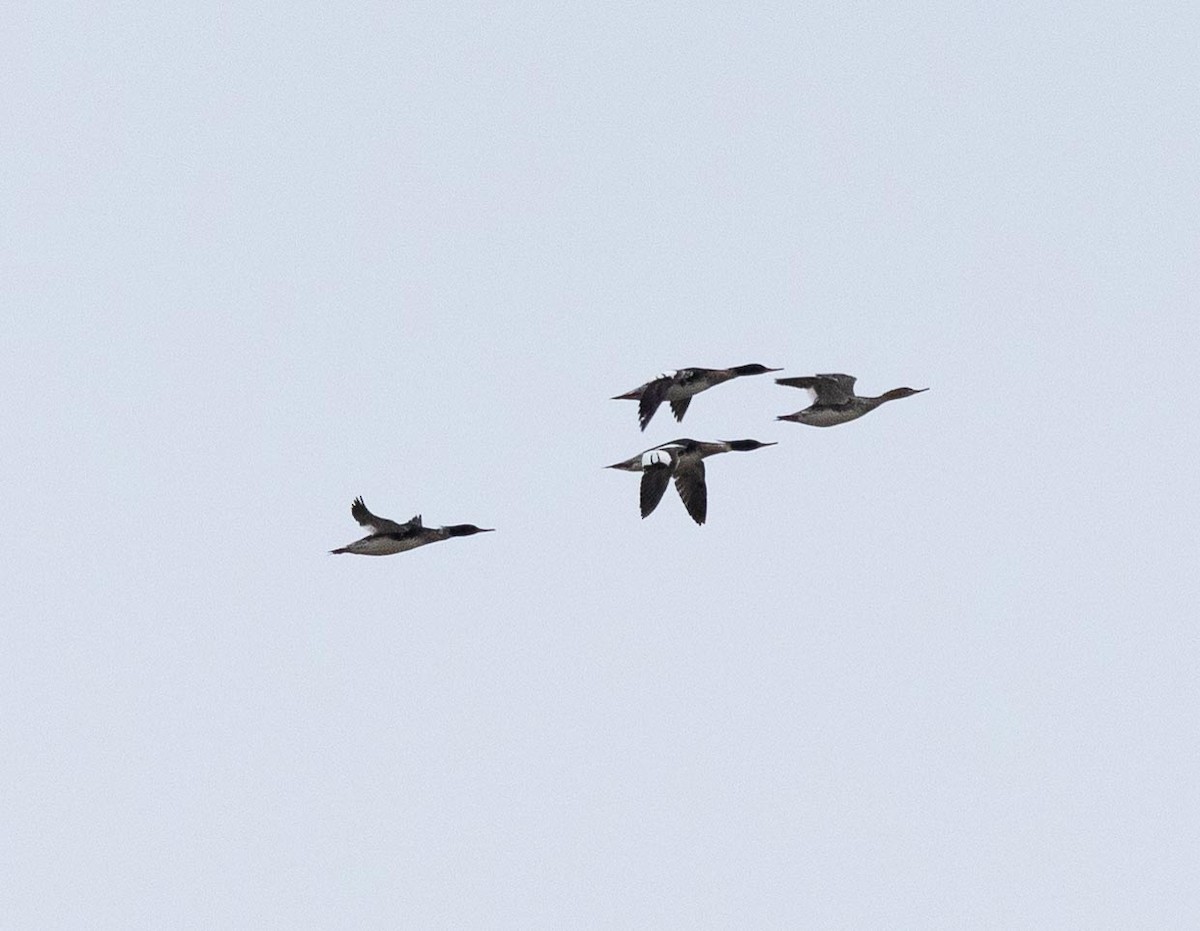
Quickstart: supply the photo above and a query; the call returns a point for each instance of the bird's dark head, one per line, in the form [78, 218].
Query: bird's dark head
[753, 369]
[902, 393]
[743, 446]
[465, 530]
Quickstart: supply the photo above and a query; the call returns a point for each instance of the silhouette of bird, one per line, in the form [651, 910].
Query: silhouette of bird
[834, 400]
[680, 387]
[683, 461]
[390, 537]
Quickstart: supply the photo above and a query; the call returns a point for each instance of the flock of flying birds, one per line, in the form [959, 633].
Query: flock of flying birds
[833, 402]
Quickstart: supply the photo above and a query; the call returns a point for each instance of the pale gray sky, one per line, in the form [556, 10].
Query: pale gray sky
[935, 668]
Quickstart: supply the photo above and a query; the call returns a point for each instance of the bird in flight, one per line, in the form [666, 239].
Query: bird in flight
[682, 460]
[834, 400]
[390, 537]
[680, 387]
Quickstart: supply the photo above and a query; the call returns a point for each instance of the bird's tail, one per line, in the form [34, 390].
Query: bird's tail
[340, 549]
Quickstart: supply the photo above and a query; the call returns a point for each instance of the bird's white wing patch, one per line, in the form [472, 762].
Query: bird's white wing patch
[655, 457]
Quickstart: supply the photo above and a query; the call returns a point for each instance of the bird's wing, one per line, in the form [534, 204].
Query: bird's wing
[842, 383]
[679, 408]
[359, 512]
[653, 395]
[655, 478]
[689, 482]
[826, 389]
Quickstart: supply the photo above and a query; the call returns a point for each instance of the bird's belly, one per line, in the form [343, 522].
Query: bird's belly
[380, 546]
[829, 416]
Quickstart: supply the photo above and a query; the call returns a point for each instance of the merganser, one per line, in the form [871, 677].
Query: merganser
[834, 400]
[681, 459]
[679, 388]
[390, 537]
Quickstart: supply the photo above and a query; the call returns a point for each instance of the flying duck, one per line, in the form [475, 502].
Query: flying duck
[834, 400]
[679, 388]
[390, 537]
[683, 461]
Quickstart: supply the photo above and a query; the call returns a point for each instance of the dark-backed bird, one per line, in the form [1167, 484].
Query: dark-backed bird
[680, 387]
[390, 537]
[834, 400]
[681, 460]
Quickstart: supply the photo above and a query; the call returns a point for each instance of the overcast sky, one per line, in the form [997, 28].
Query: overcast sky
[933, 668]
